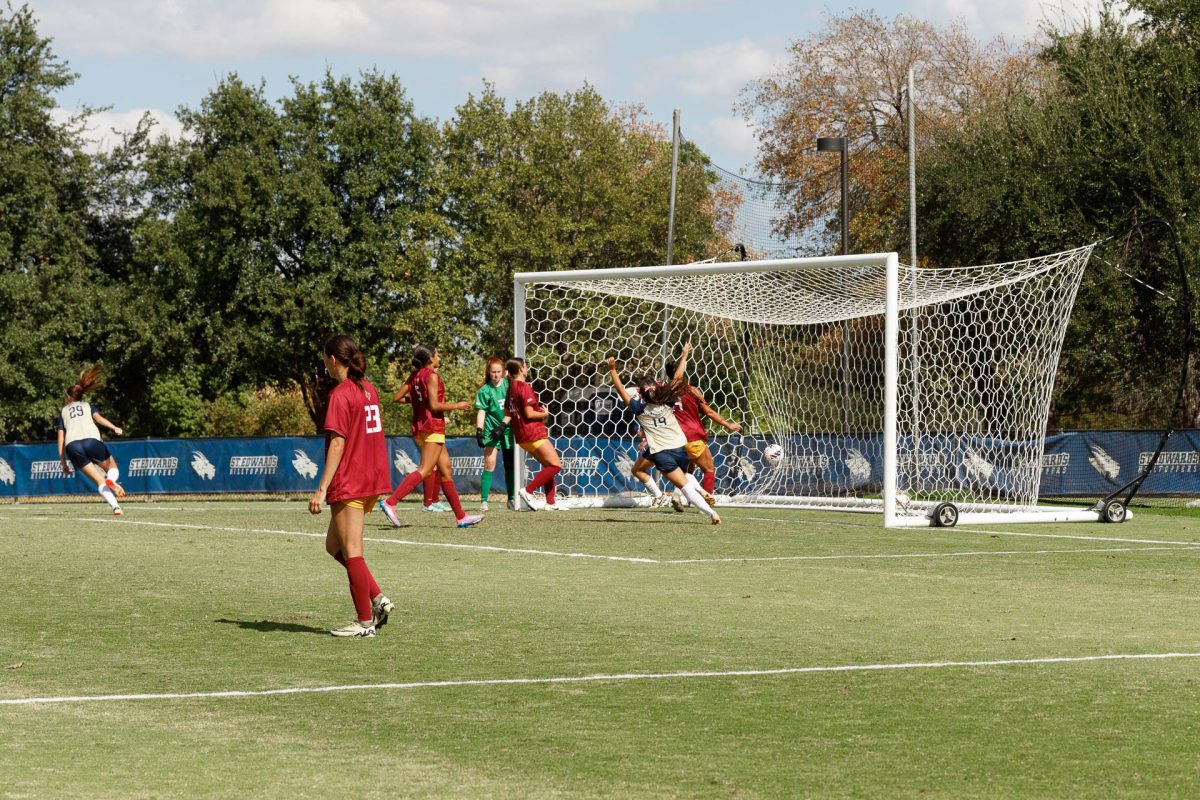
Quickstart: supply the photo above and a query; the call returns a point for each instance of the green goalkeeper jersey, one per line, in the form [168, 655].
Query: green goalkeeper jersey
[491, 400]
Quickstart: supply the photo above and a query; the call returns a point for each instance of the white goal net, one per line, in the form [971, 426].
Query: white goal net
[886, 388]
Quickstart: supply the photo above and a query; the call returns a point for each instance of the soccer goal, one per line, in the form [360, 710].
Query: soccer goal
[919, 393]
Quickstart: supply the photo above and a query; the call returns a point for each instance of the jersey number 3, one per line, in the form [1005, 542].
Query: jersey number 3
[374, 423]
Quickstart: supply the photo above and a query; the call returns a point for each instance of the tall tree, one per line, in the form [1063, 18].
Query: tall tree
[561, 181]
[275, 227]
[849, 79]
[1113, 136]
[54, 304]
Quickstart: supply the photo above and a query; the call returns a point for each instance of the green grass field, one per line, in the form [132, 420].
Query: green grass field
[470, 691]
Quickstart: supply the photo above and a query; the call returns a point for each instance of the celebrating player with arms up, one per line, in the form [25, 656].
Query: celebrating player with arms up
[654, 409]
[690, 411]
[427, 394]
[356, 473]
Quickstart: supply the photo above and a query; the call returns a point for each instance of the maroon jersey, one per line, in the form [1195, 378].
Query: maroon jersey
[687, 414]
[520, 396]
[425, 419]
[353, 414]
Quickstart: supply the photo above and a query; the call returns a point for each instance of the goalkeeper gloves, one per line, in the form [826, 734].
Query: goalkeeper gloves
[479, 436]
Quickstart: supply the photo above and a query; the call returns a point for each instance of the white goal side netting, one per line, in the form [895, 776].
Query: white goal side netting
[796, 351]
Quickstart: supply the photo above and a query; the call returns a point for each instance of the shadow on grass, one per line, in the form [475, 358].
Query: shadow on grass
[268, 626]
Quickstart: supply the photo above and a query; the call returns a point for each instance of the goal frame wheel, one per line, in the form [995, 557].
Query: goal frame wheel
[1113, 512]
[945, 515]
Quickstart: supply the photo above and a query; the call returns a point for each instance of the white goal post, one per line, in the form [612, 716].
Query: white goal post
[919, 393]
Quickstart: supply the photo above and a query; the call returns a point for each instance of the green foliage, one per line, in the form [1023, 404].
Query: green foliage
[265, 412]
[176, 408]
[1113, 138]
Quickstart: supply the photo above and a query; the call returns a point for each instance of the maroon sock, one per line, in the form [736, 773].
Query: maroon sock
[709, 480]
[407, 485]
[544, 477]
[375, 590]
[431, 488]
[550, 492]
[360, 586]
[452, 495]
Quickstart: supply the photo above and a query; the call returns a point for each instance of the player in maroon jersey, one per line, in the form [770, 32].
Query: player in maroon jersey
[523, 409]
[356, 473]
[690, 411]
[427, 393]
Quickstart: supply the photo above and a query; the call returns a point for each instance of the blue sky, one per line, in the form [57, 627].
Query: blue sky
[157, 55]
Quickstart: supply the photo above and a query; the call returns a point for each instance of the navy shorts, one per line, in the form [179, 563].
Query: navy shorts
[669, 460]
[82, 452]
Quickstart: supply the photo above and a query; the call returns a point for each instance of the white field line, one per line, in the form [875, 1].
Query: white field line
[603, 678]
[959, 554]
[983, 532]
[627, 559]
[450, 545]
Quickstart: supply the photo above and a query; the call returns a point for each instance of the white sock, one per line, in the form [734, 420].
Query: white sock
[691, 490]
[113, 474]
[108, 495]
[651, 486]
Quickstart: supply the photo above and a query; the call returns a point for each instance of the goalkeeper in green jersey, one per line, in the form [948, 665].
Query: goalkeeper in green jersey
[491, 433]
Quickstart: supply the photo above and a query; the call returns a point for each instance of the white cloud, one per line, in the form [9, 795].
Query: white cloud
[256, 28]
[1016, 19]
[718, 71]
[731, 137]
[99, 134]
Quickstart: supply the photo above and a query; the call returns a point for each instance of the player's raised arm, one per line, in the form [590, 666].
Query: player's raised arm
[681, 366]
[708, 411]
[616, 380]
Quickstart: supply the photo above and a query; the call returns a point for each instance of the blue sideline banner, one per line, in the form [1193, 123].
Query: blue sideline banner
[1084, 464]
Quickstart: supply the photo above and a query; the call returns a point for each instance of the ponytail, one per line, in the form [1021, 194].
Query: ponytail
[343, 348]
[89, 379]
[422, 355]
[513, 366]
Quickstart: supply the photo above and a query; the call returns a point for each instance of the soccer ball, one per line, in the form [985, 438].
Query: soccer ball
[773, 454]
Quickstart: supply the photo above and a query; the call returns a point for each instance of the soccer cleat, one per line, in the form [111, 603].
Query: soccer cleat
[380, 611]
[116, 487]
[662, 501]
[438, 507]
[390, 513]
[483, 507]
[711, 499]
[527, 498]
[512, 505]
[355, 628]
[716, 520]
[677, 502]
[117, 511]
[552, 507]
[469, 520]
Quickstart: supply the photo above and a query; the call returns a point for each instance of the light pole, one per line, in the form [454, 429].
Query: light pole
[837, 144]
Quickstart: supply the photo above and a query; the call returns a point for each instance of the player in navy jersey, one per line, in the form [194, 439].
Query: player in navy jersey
[654, 409]
[356, 473]
[79, 440]
[691, 409]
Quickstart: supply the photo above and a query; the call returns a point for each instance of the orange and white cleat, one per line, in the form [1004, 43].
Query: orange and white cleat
[116, 487]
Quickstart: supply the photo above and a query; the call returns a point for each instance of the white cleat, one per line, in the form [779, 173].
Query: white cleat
[483, 507]
[438, 507]
[117, 512]
[355, 628]
[469, 520]
[662, 501]
[380, 610]
[677, 502]
[527, 499]
[552, 507]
